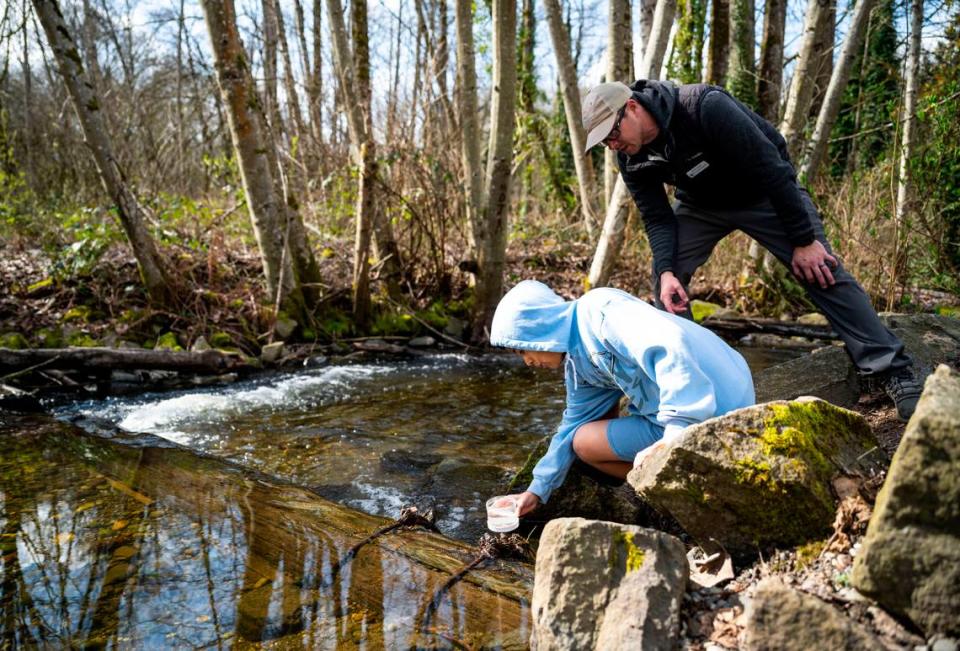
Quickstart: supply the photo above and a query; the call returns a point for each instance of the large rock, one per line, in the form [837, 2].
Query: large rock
[761, 475]
[910, 558]
[828, 373]
[779, 618]
[585, 493]
[601, 585]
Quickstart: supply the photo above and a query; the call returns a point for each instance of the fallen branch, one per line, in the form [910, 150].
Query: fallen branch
[108, 359]
[740, 327]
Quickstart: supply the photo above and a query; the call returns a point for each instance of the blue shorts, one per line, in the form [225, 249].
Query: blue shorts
[630, 434]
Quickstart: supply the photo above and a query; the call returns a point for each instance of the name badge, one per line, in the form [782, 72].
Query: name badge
[696, 169]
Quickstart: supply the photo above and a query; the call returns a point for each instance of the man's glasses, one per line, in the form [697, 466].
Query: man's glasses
[615, 131]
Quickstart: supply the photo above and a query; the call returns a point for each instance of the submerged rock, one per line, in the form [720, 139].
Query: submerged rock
[761, 475]
[782, 618]
[601, 585]
[910, 559]
[585, 493]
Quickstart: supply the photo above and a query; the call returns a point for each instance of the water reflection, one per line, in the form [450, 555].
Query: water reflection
[108, 545]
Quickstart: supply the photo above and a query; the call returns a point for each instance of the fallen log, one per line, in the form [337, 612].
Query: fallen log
[741, 327]
[108, 359]
[281, 529]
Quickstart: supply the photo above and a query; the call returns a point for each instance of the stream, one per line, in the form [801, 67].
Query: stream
[229, 538]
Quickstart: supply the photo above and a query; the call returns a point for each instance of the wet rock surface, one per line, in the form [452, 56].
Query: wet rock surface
[606, 586]
[911, 554]
[759, 476]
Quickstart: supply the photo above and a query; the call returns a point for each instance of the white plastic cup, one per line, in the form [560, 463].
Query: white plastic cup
[503, 513]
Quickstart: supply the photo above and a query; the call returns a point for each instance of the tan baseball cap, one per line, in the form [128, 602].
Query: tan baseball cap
[600, 108]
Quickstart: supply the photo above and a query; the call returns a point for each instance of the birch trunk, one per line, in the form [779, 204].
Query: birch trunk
[251, 143]
[614, 222]
[467, 106]
[838, 81]
[904, 178]
[493, 244]
[770, 77]
[645, 12]
[152, 266]
[289, 80]
[719, 51]
[569, 86]
[619, 40]
[804, 75]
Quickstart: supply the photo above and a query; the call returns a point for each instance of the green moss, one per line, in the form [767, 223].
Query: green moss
[49, 338]
[809, 552]
[948, 310]
[81, 340]
[79, 313]
[13, 340]
[702, 309]
[43, 284]
[525, 475]
[221, 340]
[625, 549]
[167, 341]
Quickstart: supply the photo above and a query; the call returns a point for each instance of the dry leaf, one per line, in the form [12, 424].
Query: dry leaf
[710, 565]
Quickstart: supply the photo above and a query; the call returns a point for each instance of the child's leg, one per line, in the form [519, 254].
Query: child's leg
[611, 445]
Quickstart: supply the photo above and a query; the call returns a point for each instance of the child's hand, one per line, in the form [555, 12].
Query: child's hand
[527, 502]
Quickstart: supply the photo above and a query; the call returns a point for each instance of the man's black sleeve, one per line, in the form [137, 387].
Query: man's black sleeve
[733, 133]
[658, 219]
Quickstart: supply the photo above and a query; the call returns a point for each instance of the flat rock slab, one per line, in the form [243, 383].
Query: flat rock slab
[828, 373]
[602, 585]
[780, 618]
[910, 557]
[759, 476]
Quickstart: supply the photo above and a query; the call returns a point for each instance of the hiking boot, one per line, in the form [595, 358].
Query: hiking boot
[904, 389]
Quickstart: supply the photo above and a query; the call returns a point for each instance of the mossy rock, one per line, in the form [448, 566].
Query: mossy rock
[759, 476]
[703, 309]
[167, 341]
[48, 338]
[13, 340]
[221, 340]
[82, 340]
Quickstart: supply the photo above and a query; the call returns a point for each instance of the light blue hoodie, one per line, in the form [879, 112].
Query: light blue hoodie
[674, 372]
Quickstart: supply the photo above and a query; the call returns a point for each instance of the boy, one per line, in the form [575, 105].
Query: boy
[674, 372]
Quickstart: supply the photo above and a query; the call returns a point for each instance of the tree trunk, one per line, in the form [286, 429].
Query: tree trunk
[838, 81]
[719, 52]
[685, 59]
[642, 36]
[316, 76]
[271, 78]
[904, 178]
[659, 39]
[823, 48]
[742, 69]
[614, 222]
[152, 266]
[492, 250]
[771, 60]
[802, 84]
[467, 107]
[569, 86]
[619, 62]
[289, 80]
[253, 150]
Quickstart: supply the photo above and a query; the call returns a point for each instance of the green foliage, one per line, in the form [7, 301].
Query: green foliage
[13, 340]
[686, 58]
[870, 99]
[167, 341]
[89, 234]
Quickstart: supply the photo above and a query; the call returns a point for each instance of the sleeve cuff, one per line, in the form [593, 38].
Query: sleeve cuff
[540, 489]
[803, 238]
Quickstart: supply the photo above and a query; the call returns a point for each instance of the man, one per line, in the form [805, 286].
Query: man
[731, 171]
[609, 344]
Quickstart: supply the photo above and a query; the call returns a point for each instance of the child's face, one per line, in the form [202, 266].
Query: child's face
[541, 358]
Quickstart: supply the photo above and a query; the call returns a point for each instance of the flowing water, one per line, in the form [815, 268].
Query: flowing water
[135, 542]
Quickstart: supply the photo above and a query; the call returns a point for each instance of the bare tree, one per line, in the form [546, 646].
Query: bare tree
[817, 146]
[273, 225]
[153, 269]
[619, 63]
[467, 107]
[742, 68]
[645, 12]
[718, 52]
[659, 39]
[904, 178]
[569, 87]
[496, 204]
[771, 60]
[804, 74]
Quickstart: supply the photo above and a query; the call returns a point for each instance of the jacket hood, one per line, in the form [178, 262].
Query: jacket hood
[658, 97]
[532, 317]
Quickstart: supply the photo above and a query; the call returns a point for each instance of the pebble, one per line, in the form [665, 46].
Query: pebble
[944, 644]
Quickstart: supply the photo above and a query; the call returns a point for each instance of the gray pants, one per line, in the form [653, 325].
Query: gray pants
[871, 346]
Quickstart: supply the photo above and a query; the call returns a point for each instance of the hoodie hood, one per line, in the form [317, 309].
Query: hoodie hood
[532, 317]
[658, 97]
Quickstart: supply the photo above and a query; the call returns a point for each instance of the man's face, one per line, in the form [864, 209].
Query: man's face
[541, 359]
[630, 133]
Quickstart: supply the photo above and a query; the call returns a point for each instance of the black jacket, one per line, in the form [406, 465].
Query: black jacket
[717, 153]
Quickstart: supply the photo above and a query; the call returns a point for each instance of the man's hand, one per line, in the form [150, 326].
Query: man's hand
[672, 294]
[813, 264]
[527, 502]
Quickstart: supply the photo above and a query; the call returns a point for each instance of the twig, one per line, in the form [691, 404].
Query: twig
[426, 325]
[24, 371]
